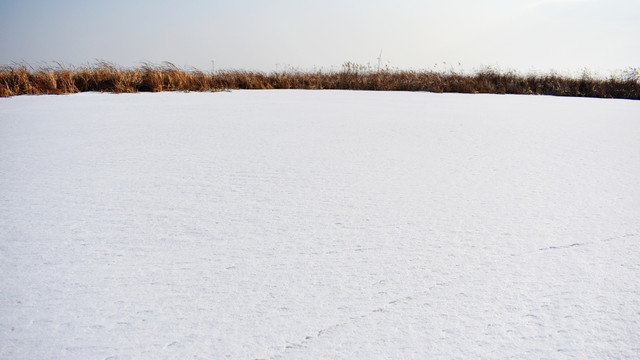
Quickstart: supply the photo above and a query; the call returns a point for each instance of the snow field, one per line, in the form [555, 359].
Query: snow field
[319, 224]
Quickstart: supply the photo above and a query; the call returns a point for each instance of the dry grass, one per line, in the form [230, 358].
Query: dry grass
[106, 77]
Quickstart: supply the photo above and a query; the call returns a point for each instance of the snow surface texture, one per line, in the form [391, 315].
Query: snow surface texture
[320, 225]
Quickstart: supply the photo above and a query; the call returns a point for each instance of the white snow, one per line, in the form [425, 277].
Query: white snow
[319, 225]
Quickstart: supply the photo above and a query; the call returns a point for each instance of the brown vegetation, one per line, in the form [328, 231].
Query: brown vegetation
[106, 77]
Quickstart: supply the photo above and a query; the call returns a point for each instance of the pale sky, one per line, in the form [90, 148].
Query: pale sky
[524, 35]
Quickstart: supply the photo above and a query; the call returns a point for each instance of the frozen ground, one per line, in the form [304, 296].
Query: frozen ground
[319, 225]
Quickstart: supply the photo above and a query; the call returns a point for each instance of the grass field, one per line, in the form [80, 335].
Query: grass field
[107, 77]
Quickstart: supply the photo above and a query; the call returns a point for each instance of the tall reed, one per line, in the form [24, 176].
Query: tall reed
[107, 77]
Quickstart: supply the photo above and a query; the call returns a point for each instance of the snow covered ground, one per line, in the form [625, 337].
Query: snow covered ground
[319, 225]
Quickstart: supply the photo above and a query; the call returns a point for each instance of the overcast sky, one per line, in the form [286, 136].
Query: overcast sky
[525, 35]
